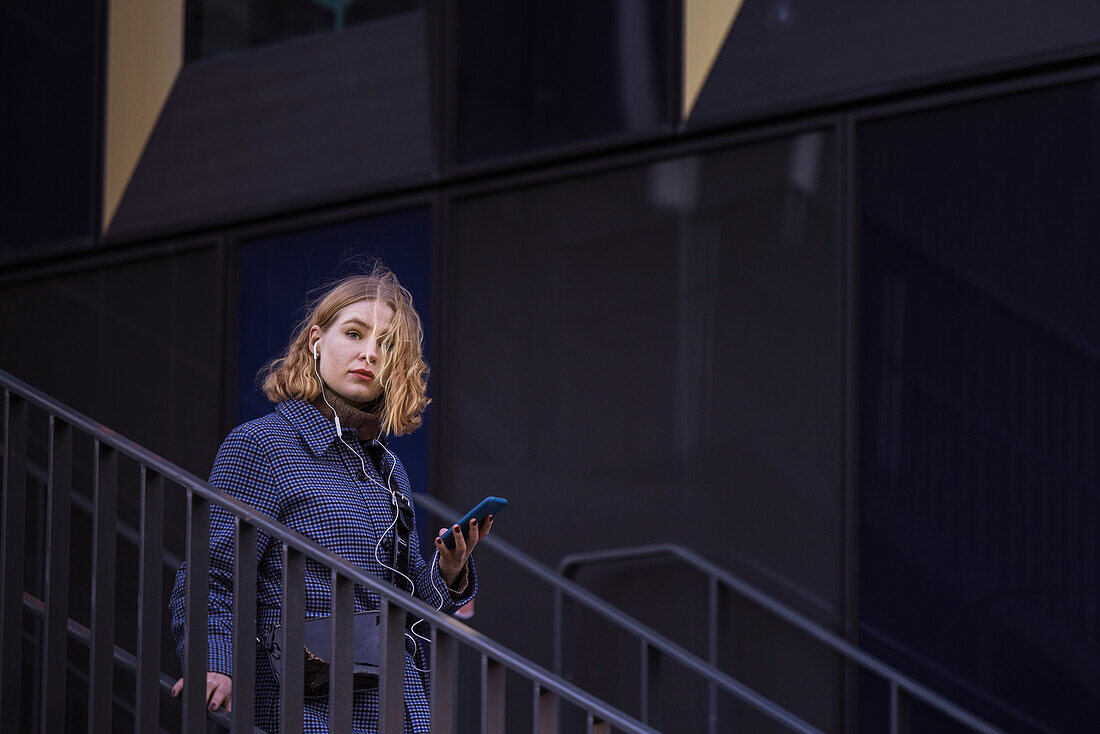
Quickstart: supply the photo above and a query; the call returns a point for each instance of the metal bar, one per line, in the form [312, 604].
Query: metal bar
[150, 601]
[391, 680]
[461, 632]
[293, 640]
[444, 658]
[244, 625]
[101, 682]
[596, 725]
[712, 652]
[492, 696]
[899, 710]
[559, 627]
[198, 610]
[341, 695]
[129, 662]
[652, 666]
[11, 559]
[747, 591]
[55, 643]
[546, 711]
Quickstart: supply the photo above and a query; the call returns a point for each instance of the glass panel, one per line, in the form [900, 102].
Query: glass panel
[980, 383]
[49, 87]
[535, 74]
[652, 355]
[216, 27]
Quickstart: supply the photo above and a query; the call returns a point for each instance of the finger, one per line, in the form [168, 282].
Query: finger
[460, 542]
[487, 527]
[221, 695]
[211, 686]
[177, 688]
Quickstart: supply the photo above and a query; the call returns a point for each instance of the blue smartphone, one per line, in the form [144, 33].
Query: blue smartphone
[488, 506]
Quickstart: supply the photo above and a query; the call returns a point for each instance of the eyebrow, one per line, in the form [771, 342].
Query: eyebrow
[355, 320]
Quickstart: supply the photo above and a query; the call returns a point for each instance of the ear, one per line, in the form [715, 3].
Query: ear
[315, 334]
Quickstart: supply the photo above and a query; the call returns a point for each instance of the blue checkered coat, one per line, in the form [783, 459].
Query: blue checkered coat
[290, 465]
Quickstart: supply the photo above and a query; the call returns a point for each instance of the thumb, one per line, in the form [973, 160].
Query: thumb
[177, 688]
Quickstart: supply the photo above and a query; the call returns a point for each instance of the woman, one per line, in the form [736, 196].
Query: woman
[353, 374]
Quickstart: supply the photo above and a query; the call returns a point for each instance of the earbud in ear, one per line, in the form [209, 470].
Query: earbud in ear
[315, 345]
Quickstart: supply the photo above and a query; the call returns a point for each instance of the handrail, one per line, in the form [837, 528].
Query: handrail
[650, 637]
[82, 634]
[445, 629]
[899, 682]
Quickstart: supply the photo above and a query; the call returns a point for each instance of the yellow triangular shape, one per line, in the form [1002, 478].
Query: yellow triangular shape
[707, 23]
[144, 56]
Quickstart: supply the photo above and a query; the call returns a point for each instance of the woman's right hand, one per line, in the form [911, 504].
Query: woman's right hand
[218, 690]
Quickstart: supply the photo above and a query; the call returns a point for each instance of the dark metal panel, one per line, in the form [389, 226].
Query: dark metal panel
[198, 605]
[150, 601]
[55, 636]
[325, 118]
[244, 625]
[102, 665]
[340, 671]
[11, 562]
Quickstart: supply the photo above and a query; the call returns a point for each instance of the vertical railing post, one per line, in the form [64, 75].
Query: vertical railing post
[293, 644]
[198, 610]
[899, 710]
[712, 650]
[341, 696]
[101, 681]
[596, 726]
[244, 625]
[150, 601]
[444, 658]
[11, 559]
[391, 683]
[55, 637]
[650, 670]
[492, 696]
[546, 711]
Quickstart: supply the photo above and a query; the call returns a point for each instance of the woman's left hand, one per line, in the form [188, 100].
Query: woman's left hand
[451, 562]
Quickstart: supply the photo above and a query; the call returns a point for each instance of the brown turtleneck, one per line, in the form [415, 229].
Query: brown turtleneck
[365, 419]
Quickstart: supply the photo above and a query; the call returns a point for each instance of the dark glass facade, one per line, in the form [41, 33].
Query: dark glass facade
[980, 383]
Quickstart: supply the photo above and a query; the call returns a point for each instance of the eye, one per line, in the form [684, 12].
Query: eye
[353, 334]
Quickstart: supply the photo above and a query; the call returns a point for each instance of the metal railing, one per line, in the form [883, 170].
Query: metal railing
[902, 689]
[654, 646]
[448, 633]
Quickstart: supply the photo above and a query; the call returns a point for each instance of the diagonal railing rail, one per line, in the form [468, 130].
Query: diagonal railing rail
[901, 688]
[654, 646]
[448, 633]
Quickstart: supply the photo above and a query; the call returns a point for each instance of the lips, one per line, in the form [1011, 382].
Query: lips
[363, 374]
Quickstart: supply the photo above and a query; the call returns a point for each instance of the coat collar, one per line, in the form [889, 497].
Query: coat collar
[317, 432]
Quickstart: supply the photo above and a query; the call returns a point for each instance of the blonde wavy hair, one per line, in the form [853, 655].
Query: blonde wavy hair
[403, 374]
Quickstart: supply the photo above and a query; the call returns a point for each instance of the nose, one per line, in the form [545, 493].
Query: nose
[370, 352]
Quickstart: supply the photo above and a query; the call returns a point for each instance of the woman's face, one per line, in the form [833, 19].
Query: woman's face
[350, 352]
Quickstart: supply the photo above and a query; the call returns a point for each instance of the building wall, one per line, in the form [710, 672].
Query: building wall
[786, 329]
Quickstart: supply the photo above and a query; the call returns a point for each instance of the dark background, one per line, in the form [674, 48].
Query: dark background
[837, 331]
